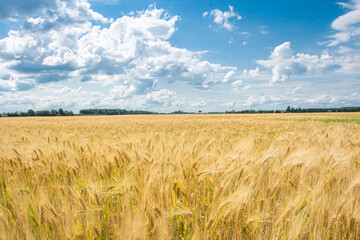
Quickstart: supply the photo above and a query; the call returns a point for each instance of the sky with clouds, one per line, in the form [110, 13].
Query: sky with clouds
[168, 55]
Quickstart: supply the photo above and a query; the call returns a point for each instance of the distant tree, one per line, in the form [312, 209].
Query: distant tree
[68, 113]
[288, 109]
[30, 112]
[61, 112]
[43, 113]
[54, 112]
[177, 112]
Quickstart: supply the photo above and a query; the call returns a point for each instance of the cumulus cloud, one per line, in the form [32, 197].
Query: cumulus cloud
[55, 95]
[224, 18]
[123, 91]
[255, 100]
[284, 64]
[322, 99]
[347, 26]
[247, 74]
[163, 96]
[14, 9]
[229, 76]
[73, 57]
[237, 83]
[70, 41]
[251, 73]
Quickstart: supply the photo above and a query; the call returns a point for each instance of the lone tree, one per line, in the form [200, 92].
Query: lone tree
[31, 112]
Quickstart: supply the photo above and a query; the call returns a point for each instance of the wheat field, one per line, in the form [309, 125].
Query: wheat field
[273, 176]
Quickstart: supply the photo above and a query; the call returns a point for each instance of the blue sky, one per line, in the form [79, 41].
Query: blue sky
[170, 55]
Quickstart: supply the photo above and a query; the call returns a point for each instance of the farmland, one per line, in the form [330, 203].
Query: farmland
[270, 176]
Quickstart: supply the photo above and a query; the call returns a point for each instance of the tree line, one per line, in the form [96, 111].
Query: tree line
[299, 110]
[315, 110]
[61, 112]
[113, 112]
[30, 113]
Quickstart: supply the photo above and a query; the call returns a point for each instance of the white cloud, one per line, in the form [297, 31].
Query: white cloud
[322, 99]
[73, 57]
[347, 26]
[123, 91]
[69, 50]
[282, 51]
[295, 90]
[161, 96]
[229, 76]
[15, 9]
[345, 5]
[223, 18]
[285, 64]
[262, 30]
[53, 96]
[69, 90]
[71, 41]
[251, 73]
[255, 100]
[237, 79]
[237, 83]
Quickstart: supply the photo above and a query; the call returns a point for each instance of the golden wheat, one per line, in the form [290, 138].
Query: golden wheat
[275, 176]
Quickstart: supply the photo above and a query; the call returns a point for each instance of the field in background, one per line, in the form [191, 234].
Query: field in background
[274, 176]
